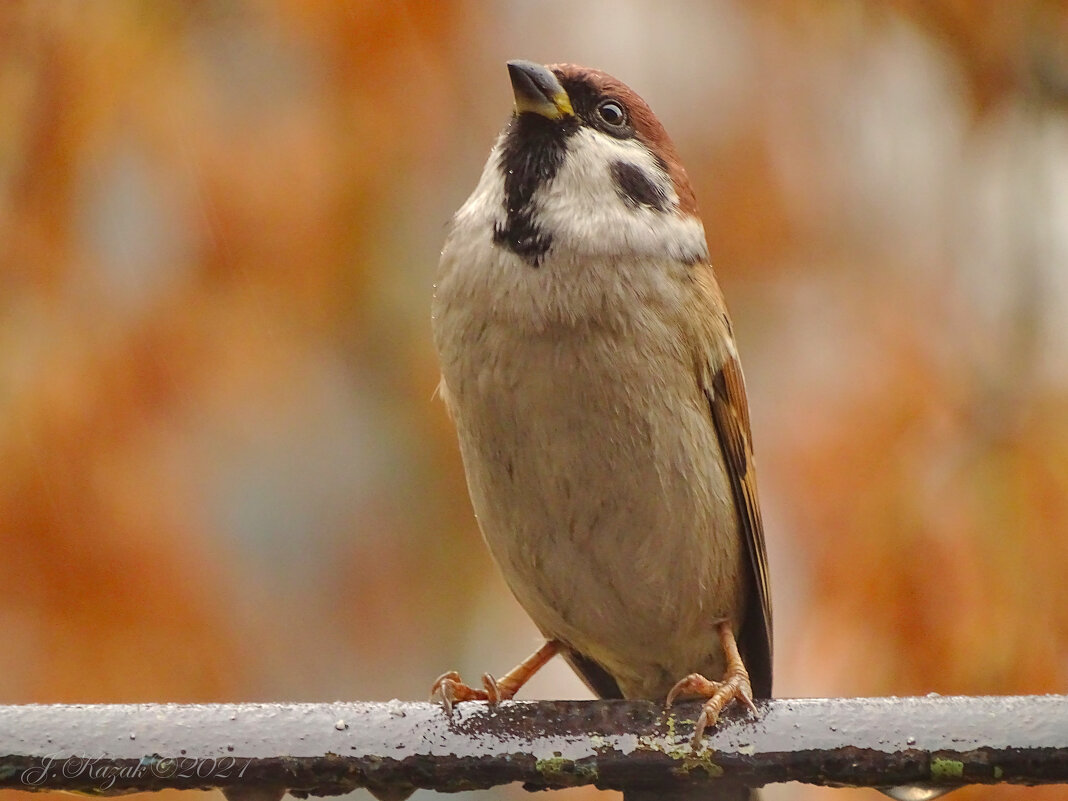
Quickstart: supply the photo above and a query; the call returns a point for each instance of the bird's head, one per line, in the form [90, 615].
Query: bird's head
[584, 169]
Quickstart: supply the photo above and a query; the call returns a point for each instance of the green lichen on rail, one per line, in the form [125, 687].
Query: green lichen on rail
[700, 760]
[942, 769]
[561, 771]
[688, 756]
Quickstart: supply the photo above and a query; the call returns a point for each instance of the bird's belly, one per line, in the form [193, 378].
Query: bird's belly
[600, 488]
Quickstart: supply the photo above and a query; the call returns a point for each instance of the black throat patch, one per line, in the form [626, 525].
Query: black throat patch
[533, 152]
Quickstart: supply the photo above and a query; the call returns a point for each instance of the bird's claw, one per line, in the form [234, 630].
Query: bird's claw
[449, 689]
[734, 687]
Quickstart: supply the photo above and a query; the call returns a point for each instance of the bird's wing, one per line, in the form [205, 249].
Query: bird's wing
[720, 377]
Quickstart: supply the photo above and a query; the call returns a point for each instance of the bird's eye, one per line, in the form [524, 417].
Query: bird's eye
[612, 112]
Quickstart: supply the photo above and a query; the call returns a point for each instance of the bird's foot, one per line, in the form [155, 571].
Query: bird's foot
[735, 686]
[450, 689]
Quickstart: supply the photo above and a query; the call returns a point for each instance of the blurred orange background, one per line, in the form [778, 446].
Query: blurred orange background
[223, 476]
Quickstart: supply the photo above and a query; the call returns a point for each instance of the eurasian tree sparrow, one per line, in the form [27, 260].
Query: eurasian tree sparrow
[588, 362]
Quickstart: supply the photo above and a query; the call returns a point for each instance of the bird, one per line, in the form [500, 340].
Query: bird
[589, 365]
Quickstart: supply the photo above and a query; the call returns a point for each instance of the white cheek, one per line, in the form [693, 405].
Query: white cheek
[584, 213]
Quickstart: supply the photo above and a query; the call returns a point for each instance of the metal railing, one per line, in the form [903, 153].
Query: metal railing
[260, 750]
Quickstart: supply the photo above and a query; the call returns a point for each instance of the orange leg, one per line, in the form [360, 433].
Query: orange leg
[735, 685]
[449, 688]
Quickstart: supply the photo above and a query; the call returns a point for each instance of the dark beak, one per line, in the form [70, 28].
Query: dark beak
[538, 91]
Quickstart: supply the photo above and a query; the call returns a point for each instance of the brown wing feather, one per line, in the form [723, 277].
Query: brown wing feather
[720, 379]
[730, 412]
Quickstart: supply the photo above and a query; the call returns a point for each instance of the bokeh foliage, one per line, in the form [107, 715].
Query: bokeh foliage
[222, 472]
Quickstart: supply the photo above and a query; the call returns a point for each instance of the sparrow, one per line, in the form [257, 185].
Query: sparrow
[589, 365]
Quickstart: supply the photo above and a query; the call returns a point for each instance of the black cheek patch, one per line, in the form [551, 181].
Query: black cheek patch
[636, 188]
